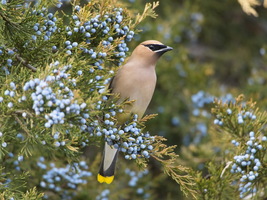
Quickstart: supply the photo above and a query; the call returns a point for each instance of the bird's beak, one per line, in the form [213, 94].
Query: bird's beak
[163, 50]
[167, 49]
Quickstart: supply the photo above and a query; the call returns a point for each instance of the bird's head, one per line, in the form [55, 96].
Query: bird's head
[149, 51]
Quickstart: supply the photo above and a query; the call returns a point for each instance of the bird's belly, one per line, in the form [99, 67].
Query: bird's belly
[141, 99]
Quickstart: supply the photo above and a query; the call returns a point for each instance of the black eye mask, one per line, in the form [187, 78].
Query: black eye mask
[155, 47]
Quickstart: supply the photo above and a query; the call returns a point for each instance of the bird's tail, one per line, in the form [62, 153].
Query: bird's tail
[107, 167]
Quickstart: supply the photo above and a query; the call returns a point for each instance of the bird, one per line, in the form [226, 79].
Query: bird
[136, 82]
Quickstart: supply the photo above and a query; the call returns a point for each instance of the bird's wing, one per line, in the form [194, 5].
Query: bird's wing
[110, 87]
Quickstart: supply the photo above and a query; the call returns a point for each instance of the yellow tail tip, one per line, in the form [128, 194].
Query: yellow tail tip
[103, 179]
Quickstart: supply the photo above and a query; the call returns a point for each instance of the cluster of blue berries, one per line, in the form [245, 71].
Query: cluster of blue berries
[243, 116]
[9, 95]
[129, 139]
[202, 130]
[62, 180]
[16, 161]
[196, 20]
[199, 100]
[104, 195]
[53, 98]
[219, 120]
[12, 163]
[8, 60]
[191, 29]
[109, 26]
[61, 102]
[134, 182]
[135, 177]
[248, 164]
[48, 26]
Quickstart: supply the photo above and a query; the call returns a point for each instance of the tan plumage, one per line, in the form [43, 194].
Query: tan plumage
[136, 80]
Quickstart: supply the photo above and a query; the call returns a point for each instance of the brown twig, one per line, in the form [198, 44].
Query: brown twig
[22, 111]
[22, 125]
[25, 63]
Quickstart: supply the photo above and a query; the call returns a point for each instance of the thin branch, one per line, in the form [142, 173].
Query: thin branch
[25, 63]
[22, 125]
[23, 111]
[4, 17]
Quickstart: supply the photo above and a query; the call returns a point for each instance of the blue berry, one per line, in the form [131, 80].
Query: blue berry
[229, 111]
[10, 105]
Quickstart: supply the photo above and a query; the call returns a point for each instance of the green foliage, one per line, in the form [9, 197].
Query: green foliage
[215, 185]
[55, 66]
[166, 156]
[148, 11]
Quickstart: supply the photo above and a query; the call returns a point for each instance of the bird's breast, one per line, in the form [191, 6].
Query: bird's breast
[137, 85]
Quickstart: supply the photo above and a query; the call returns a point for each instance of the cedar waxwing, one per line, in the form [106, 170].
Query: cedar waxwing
[136, 80]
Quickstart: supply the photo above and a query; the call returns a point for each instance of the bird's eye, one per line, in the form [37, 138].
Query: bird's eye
[152, 47]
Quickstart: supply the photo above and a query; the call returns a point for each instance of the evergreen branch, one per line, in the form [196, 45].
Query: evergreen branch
[14, 186]
[4, 17]
[9, 25]
[22, 125]
[148, 11]
[32, 194]
[23, 111]
[25, 63]
[166, 156]
[148, 117]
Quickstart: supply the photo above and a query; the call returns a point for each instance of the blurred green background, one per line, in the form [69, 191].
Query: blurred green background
[219, 52]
